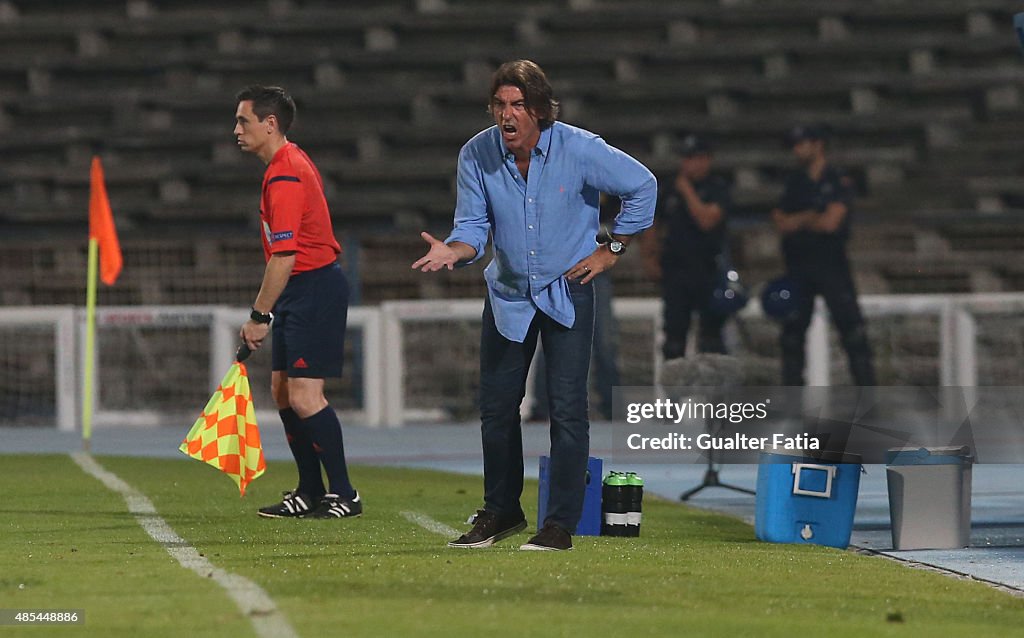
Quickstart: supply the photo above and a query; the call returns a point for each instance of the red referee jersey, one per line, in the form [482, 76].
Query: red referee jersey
[294, 211]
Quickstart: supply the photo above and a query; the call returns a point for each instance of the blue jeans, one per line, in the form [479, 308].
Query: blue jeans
[606, 344]
[605, 354]
[504, 365]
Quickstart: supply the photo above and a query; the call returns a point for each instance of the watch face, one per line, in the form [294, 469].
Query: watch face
[616, 247]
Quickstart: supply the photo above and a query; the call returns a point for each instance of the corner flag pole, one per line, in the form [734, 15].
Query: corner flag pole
[105, 262]
[90, 343]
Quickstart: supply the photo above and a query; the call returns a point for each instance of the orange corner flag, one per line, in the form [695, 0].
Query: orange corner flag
[225, 434]
[101, 225]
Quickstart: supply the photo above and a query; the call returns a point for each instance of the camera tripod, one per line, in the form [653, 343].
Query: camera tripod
[711, 472]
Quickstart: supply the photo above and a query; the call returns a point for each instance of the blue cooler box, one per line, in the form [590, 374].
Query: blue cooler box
[804, 499]
[590, 522]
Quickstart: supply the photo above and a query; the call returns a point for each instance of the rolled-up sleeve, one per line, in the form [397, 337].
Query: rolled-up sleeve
[472, 224]
[613, 172]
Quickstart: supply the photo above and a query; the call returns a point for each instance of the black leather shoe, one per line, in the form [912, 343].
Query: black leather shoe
[333, 506]
[294, 505]
[488, 529]
[551, 538]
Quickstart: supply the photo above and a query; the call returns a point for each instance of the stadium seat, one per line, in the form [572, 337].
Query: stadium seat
[923, 99]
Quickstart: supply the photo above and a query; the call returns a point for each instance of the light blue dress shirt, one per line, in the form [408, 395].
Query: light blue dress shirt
[543, 226]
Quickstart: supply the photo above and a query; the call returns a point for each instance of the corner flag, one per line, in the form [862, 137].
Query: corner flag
[105, 256]
[101, 225]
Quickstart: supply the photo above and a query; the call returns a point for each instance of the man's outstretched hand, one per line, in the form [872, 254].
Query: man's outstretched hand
[440, 255]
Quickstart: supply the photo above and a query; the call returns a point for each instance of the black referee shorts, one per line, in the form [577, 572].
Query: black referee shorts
[309, 324]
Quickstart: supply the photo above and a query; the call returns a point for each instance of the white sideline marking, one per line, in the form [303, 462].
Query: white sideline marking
[431, 525]
[252, 601]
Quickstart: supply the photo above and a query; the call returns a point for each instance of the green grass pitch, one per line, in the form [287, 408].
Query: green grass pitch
[68, 542]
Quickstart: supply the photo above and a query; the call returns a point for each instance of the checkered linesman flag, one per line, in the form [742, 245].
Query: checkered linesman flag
[225, 435]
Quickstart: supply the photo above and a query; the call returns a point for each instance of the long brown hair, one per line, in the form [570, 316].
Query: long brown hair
[528, 77]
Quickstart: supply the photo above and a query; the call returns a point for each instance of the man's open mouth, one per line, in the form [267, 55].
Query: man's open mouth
[508, 129]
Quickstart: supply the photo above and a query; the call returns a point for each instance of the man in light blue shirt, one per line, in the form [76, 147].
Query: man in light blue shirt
[533, 185]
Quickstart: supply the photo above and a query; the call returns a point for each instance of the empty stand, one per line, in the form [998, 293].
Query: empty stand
[924, 99]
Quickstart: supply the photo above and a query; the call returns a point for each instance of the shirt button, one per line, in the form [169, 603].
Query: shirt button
[534, 277]
[533, 252]
[531, 200]
[530, 226]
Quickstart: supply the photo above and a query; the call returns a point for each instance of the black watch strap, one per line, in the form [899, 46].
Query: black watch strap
[261, 317]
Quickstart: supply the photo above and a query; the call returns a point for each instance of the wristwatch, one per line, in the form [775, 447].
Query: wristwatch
[261, 317]
[616, 247]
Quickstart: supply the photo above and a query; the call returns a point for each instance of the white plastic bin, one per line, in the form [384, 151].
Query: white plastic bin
[930, 497]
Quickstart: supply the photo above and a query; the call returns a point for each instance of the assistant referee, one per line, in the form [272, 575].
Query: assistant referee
[305, 297]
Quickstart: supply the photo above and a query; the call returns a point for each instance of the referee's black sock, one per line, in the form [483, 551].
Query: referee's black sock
[311, 482]
[325, 429]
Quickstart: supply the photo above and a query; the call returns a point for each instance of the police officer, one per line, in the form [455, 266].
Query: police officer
[684, 249]
[813, 218]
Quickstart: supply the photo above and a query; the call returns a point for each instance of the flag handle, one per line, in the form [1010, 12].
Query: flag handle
[242, 353]
[90, 344]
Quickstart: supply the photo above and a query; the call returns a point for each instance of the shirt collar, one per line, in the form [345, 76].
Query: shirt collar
[279, 153]
[544, 143]
[542, 148]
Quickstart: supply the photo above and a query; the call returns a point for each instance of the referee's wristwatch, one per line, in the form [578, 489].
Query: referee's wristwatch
[261, 317]
[616, 247]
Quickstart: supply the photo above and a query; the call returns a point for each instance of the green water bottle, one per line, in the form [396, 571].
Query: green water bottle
[614, 504]
[635, 496]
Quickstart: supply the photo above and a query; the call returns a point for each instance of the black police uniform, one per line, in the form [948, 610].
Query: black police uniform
[817, 262]
[689, 266]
